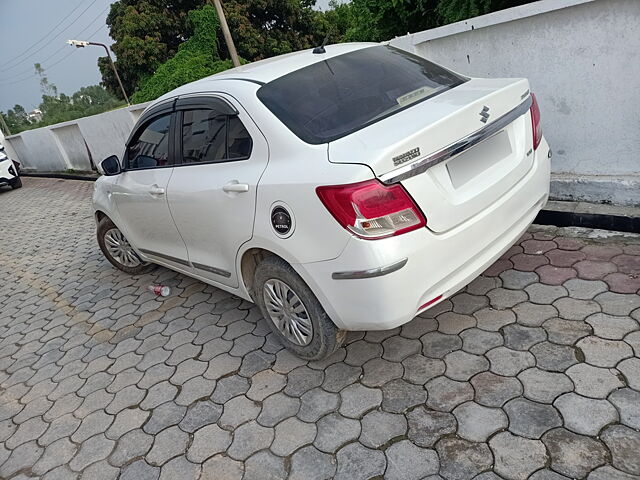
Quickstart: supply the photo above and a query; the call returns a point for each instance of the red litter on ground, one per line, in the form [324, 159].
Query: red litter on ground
[160, 290]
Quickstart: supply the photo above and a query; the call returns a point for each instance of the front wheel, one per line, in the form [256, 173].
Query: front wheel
[118, 250]
[293, 311]
[16, 183]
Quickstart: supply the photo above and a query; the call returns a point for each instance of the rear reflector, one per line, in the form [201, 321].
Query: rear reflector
[535, 122]
[372, 210]
[430, 302]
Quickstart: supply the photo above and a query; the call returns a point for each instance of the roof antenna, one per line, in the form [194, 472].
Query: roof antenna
[321, 49]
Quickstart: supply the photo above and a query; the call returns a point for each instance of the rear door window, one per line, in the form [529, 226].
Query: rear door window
[338, 96]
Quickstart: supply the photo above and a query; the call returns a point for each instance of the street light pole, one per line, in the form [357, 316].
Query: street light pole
[82, 44]
[226, 32]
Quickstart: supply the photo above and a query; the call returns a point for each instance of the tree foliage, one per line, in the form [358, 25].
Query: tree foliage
[196, 58]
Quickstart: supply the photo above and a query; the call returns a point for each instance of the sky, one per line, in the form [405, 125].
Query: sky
[35, 31]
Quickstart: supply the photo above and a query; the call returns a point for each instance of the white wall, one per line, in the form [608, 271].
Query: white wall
[78, 144]
[582, 58]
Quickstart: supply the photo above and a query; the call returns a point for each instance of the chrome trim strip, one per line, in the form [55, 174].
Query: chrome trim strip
[217, 271]
[422, 165]
[165, 257]
[372, 272]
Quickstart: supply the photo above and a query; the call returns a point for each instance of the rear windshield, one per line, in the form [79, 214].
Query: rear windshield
[333, 98]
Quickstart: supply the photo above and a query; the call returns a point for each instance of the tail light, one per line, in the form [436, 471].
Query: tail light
[372, 210]
[535, 122]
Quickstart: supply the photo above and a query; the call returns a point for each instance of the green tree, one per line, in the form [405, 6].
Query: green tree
[196, 58]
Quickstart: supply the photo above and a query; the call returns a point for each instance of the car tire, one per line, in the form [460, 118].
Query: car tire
[274, 276]
[129, 262]
[16, 183]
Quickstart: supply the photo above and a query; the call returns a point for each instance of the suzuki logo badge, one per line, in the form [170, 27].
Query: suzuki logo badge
[485, 114]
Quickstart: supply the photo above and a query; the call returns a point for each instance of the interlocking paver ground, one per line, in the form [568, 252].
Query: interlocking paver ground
[531, 371]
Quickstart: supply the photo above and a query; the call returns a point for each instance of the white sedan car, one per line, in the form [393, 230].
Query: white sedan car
[343, 189]
[9, 174]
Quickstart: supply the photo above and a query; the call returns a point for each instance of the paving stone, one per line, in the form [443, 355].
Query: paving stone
[481, 285]
[624, 444]
[222, 467]
[493, 320]
[207, 442]
[195, 389]
[167, 444]
[127, 420]
[301, 380]
[20, 458]
[164, 416]
[519, 337]
[446, 394]
[248, 439]
[316, 403]
[515, 457]
[92, 450]
[531, 419]
[611, 327]
[477, 423]
[97, 422]
[58, 453]
[508, 362]
[60, 427]
[133, 444]
[276, 408]
[30, 430]
[566, 332]
[584, 289]
[202, 413]
[418, 327]
[229, 387]
[379, 427]
[437, 345]
[462, 365]
[140, 470]
[418, 369]
[618, 304]
[460, 459]
[516, 280]
[408, 462]
[180, 468]
[630, 368]
[554, 275]
[125, 398]
[334, 431]
[358, 399]
[607, 472]
[544, 387]
[574, 309]
[478, 341]
[545, 294]
[358, 462]
[399, 395]
[585, 416]
[600, 352]
[264, 384]
[308, 463]
[158, 394]
[398, 348]
[358, 353]
[622, 282]
[340, 375]
[502, 298]
[554, 358]
[627, 401]
[264, 466]
[452, 323]
[574, 455]
[592, 381]
[377, 372]
[533, 315]
[594, 270]
[465, 303]
[292, 434]
[221, 366]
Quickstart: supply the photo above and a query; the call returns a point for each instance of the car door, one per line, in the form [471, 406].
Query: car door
[140, 191]
[221, 155]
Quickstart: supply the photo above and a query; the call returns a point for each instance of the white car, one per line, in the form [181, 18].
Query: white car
[342, 189]
[9, 174]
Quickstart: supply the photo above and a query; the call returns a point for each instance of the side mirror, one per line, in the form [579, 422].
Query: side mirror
[110, 166]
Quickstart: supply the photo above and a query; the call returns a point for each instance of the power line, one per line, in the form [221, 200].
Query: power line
[24, 58]
[61, 48]
[50, 67]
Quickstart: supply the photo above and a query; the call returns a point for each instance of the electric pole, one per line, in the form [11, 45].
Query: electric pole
[226, 32]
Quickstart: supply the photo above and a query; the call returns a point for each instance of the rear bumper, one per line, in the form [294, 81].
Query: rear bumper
[437, 264]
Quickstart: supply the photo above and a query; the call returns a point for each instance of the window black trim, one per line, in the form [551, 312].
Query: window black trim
[179, 160]
[143, 123]
[205, 102]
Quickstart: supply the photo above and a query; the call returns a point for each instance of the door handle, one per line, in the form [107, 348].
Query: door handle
[156, 190]
[234, 186]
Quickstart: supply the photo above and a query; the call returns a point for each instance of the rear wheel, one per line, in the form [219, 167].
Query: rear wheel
[16, 183]
[293, 311]
[118, 250]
